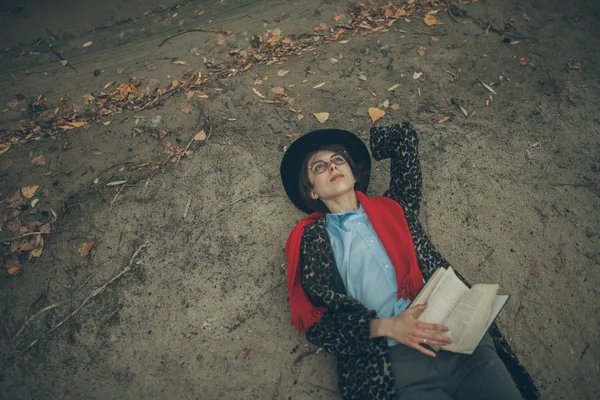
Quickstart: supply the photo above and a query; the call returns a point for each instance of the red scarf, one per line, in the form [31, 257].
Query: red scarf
[389, 223]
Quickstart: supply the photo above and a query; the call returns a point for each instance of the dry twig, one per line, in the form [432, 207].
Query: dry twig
[101, 288]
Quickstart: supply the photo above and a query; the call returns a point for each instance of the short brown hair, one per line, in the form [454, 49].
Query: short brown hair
[304, 183]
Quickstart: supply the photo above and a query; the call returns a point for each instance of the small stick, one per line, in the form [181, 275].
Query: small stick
[584, 350]
[187, 207]
[57, 54]
[116, 195]
[35, 316]
[100, 289]
[302, 355]
[191, 30]
[20, 236]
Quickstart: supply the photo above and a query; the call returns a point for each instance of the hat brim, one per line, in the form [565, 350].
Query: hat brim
[293, 157]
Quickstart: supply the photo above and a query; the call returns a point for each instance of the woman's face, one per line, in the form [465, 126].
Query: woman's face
[336, 180]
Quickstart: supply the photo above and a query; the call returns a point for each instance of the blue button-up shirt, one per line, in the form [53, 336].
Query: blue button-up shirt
[364, 265]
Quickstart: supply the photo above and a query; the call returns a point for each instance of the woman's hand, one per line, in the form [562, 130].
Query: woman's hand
[405, 329]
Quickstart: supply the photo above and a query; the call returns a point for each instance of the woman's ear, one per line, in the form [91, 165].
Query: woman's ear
[314, 195]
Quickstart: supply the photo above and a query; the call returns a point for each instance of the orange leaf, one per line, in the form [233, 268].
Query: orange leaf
[375, 113]
[430, 20]
[29, 191]
[85, 248]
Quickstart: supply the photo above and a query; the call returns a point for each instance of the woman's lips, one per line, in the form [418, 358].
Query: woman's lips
[337, 177]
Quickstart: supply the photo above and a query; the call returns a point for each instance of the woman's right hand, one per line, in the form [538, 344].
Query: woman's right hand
[404, 328]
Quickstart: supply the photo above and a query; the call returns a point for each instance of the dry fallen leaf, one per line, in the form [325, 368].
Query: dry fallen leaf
[259, 94]
[333, 60]
[462, 109]
[220, 39]
[87, 44]
[201, 94]
[526, 17]
[430, 20]
[300, 117]
[278, 90]
[282, 73]
[13, 265]
[375, 113]
[38, 161]
[4, 148]
[321, 117]
[396, 86]
[150, 67]
[488, 87]
[45, 229]
[362, 77]
[109, 84]
[64, 62]
[84, 249]
[120, 70]
[186, 110]
[180, 62]
[395, 106]
[34, 202]
[200, 136]
[441, 121]
[29, 191]
[318, 85]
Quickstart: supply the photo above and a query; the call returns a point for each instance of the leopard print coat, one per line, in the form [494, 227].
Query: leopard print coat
[363, 365]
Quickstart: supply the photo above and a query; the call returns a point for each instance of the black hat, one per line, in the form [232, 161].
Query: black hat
[312, 141]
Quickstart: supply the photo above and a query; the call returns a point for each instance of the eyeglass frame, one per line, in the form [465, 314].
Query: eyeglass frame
[343, 154]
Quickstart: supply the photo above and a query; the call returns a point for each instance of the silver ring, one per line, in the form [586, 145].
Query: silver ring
[424, 340]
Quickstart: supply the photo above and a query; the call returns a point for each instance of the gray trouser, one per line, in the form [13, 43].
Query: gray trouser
[452, 376]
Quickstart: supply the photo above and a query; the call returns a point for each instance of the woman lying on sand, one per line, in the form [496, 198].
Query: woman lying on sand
[356, 262]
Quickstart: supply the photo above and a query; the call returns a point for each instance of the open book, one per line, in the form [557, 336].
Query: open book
[468, 313]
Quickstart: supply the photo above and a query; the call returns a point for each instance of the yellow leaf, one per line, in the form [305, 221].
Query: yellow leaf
[321, 117]
[430, 20]
[4, 148]
[85, 248]
[180, 62]
[256, 92]
[441, 121]
[105, 86]
[64, 62]
[200, 136]
[201, 94]
[395, 106]
[37, 252]
[13, 270]
[282, 73]
[375, 113]
[319, 85]
[87, 44]
[29, 191]
[396, 86]
[464, 111]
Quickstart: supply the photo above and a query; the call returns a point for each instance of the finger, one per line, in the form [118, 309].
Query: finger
[431, 337]
[432, 327]
[415, 309]
[423, 350]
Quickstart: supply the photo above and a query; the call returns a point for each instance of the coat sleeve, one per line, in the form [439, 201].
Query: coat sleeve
[345, 328]
[400, 143]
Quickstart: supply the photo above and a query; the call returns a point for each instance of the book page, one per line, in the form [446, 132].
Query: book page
[467, 321]
[444, 298]
[497, 306]
[426, 291]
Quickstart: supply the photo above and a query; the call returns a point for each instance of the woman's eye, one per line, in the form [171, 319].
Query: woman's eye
[319, 167]
[338, 160]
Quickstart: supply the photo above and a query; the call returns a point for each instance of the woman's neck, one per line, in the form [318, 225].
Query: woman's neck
[343, 203]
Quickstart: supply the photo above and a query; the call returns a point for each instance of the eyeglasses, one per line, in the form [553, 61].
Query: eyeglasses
[320, 166]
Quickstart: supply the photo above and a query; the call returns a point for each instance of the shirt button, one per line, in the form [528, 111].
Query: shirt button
[387, 266]
[360, 223]
[371, 241]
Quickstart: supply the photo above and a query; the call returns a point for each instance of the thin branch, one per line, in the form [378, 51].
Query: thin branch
[191, 30]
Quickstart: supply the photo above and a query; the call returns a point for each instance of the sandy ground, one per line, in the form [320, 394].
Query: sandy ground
[511, 191]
